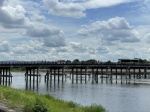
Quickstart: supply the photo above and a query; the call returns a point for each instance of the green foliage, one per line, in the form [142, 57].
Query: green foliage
[39, 106]
[28, 107]
[94, 108]
[49, 96]
[91, 61]
[76, 61]
[72, 104]
[143, 61]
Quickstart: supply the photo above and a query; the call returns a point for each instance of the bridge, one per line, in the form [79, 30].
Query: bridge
[77, 71]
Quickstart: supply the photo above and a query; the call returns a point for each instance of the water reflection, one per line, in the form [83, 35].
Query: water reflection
[30, 85]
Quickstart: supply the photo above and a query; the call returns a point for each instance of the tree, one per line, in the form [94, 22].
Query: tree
[76, 61]
[91, 61]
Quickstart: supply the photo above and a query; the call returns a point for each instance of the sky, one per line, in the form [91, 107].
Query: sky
[33, 30]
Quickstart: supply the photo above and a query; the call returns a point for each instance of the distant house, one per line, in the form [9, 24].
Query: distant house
[128, 60]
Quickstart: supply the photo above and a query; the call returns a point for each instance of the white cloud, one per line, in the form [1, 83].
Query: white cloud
[31, 33]
[65, 9]
[144, 32]
[52, 37]
[115, 29]
[91, 50]
[102, 3]
[102, 50]
[5, 46]
[78, 47]
[31, 47]
[38, 18]
[41, 30]
[16, 17]
[76, 8]
[62, 49]
[12, 16]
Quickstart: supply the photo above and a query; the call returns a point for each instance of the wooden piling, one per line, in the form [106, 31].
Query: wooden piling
[31, 77]
[111, 75]
[51, 76]
[121, 75]
[58, 75]
[85, 74]
[5, 76]
[54, 75]
[72, 75]
[76, 75]
[116, 75]
[63, 75]
[101, 75]
[93, 75]
[81, 75]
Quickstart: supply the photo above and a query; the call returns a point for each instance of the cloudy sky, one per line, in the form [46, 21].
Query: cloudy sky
[74, 29]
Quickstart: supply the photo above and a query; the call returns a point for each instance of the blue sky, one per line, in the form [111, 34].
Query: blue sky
[70, 29]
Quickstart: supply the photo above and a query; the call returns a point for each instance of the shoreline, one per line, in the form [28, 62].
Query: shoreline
[15, 100]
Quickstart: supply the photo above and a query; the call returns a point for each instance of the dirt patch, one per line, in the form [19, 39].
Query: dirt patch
[4, 108]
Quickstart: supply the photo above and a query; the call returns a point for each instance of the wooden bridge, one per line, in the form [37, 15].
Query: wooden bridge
[57, 72]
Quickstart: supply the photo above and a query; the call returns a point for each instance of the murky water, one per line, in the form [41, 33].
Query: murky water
[114, 97]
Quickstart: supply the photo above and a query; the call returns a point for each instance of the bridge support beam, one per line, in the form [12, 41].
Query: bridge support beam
[53, 73]
[32, 77]
[5, 76]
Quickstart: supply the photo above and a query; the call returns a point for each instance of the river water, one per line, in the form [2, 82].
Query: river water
[114, 97]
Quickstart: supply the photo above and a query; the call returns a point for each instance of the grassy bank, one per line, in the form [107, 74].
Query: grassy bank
[33, 102]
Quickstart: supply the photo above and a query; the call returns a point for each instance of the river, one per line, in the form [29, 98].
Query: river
[114, 97]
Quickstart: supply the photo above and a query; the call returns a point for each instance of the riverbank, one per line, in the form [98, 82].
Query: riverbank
[27, 101]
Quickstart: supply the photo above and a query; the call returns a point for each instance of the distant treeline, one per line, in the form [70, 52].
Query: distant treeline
[76, 61]
[93, 61]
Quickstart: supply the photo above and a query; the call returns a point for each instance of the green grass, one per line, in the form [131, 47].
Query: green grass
[33, 102]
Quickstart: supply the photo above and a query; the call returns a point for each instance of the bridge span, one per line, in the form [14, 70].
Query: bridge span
[57, 72]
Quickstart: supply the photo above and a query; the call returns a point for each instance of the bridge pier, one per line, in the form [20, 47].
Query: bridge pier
[79, 73]
[129, 72]
[116, 74]
[52, 73]
[5, 76]
[145, 73]
[76, 75]
[111, 75]
[72, 73]
[95, 75]
[102, 74]
[32, 77]
[121, 75]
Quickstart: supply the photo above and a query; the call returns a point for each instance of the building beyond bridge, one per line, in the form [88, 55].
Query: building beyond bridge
[128, 60]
